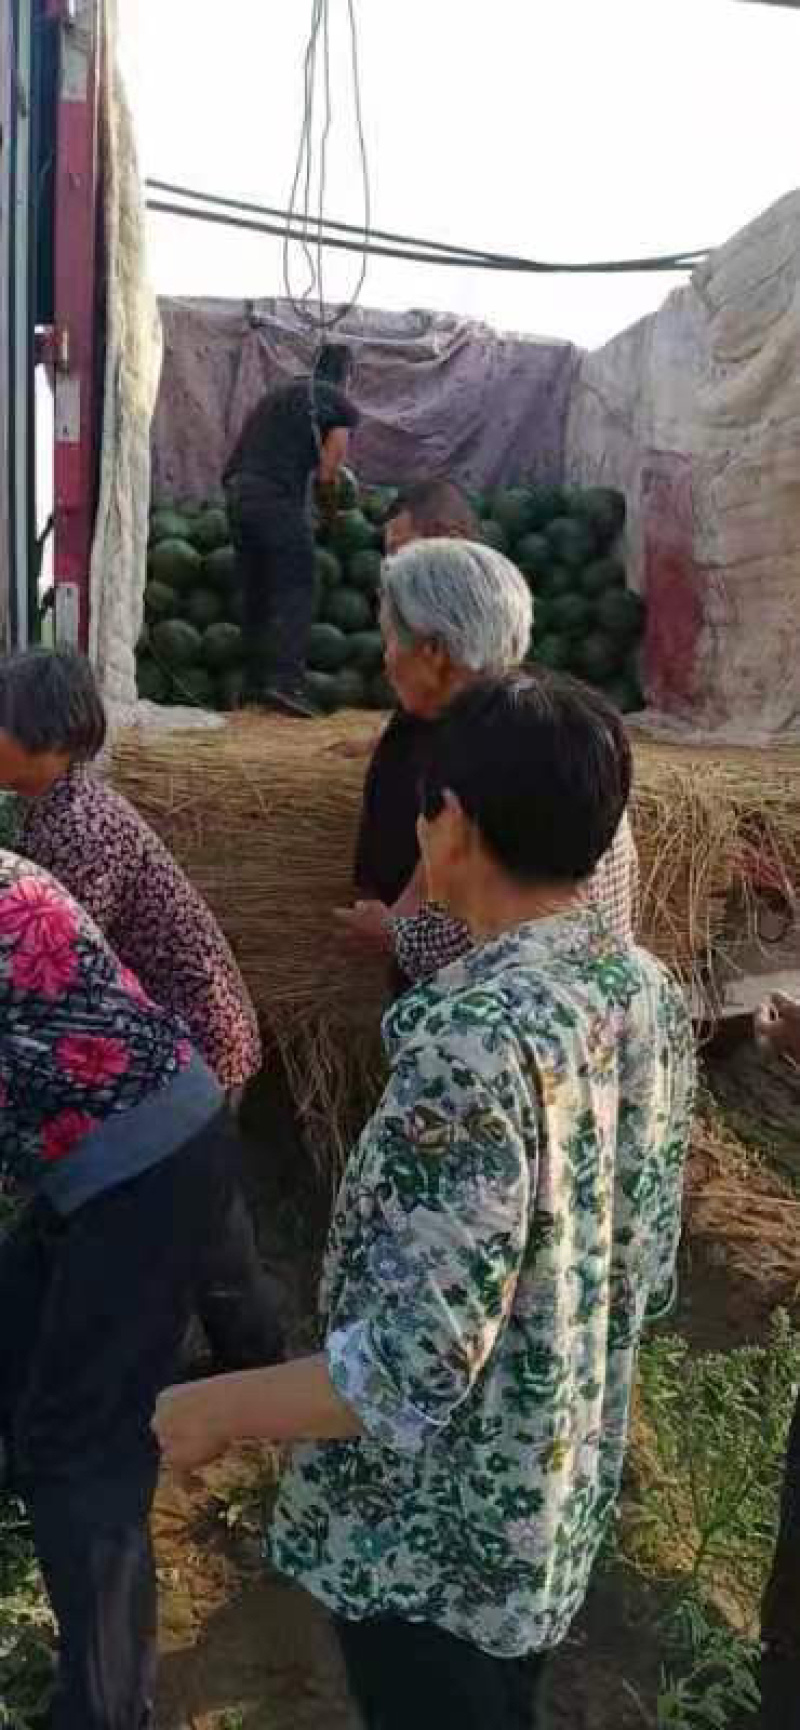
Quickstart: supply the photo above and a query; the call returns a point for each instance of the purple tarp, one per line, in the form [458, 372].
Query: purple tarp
[438, 394]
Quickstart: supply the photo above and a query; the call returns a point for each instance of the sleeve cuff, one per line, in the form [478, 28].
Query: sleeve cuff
[364, 1383]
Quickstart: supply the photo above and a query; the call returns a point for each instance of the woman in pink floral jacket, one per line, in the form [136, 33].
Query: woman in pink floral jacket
[118, 1134]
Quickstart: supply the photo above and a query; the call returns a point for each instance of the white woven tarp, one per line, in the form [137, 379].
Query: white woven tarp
[695, 413]
[132, 364]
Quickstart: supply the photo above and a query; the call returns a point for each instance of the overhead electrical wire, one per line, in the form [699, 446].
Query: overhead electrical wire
[299, 224]
[174, 200]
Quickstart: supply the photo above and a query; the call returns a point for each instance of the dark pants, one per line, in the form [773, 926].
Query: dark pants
[275, 553]
[780, 1622]
[411, 1676]
[93, 1314]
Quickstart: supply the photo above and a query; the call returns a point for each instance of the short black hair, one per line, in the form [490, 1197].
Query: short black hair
[49, 701]
[334, 364]
[438, 509]
[541, 765]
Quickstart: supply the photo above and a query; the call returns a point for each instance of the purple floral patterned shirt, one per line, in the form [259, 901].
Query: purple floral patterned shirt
[113, 864]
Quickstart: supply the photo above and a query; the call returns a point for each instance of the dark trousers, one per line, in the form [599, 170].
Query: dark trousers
[93, 1314]
[275, 554]
[412, 1676]
[780, 1621]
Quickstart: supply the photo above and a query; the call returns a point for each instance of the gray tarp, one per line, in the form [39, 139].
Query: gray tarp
[438, 394]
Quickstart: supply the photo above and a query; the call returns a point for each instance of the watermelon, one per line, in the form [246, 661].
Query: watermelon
[203, 607]
[570, 614]
[347, 491]
[321, 688]
[349, 688]
[621, 613]
[191, 687]
[210, 530]
[168, 525]
[533, 555]
[152, 683]
[624, 694]
[366, 651]
[511, 508]
[327, 648]
[351, 533]
[175, 563]
[552, 651]
[364, 572]
[380, 694]
[494, 535]
[600, 575]
[220, 569]
[144, 641]
[348, 609]
[604, 509]
[160, 601]
[190, 509]
[376, 502]
[177, 643]
[571, 541]
[229, 687]
[544, 503]
[542, 615]
[556, 581]
[596, 657]
[222, 647]
[327, 567]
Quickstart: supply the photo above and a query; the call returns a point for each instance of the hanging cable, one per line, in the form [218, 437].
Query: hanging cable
[299, 223]
[202, 207]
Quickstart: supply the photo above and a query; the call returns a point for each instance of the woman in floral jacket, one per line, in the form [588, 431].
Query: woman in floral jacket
[509, 1218]
[71, 822]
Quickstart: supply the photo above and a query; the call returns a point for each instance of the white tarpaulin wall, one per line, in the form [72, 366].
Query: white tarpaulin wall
[132, 365]
[695, 414]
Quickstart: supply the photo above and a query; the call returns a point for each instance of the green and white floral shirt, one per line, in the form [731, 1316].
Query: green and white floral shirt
[509, 1219]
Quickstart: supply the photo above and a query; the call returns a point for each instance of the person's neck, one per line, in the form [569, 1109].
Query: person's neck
[42, 777]
[503, 906]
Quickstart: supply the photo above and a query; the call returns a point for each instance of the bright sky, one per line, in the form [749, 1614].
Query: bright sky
[553, 128]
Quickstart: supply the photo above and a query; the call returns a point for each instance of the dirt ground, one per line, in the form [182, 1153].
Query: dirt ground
[242, 1651]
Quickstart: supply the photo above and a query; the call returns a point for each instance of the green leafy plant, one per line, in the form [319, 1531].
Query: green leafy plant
[715, 1684]
[715, 1427]
[26, 1626]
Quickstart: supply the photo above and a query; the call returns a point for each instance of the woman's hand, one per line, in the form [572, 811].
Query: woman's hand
[190, 1427]
[369, 923]
[777, 1026]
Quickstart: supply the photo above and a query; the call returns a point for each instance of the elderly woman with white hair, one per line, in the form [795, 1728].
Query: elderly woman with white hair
[453, 612]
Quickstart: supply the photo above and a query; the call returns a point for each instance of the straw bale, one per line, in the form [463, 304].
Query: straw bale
[739, 1209]
[262, 814]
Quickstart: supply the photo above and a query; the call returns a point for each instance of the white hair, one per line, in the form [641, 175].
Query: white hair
[466, 596]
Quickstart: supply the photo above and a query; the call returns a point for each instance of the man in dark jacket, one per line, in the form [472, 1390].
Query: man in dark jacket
[295, 431]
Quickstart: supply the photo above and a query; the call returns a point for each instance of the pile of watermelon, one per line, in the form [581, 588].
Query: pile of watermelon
[564, 539]
[567, 542]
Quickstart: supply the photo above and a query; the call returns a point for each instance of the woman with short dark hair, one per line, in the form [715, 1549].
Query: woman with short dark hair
[52, 727]
[509, 1218]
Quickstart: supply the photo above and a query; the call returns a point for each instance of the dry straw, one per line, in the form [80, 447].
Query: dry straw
[263, 815]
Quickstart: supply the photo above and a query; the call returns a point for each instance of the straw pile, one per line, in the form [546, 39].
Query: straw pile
[262, 814]
[745, 1216]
